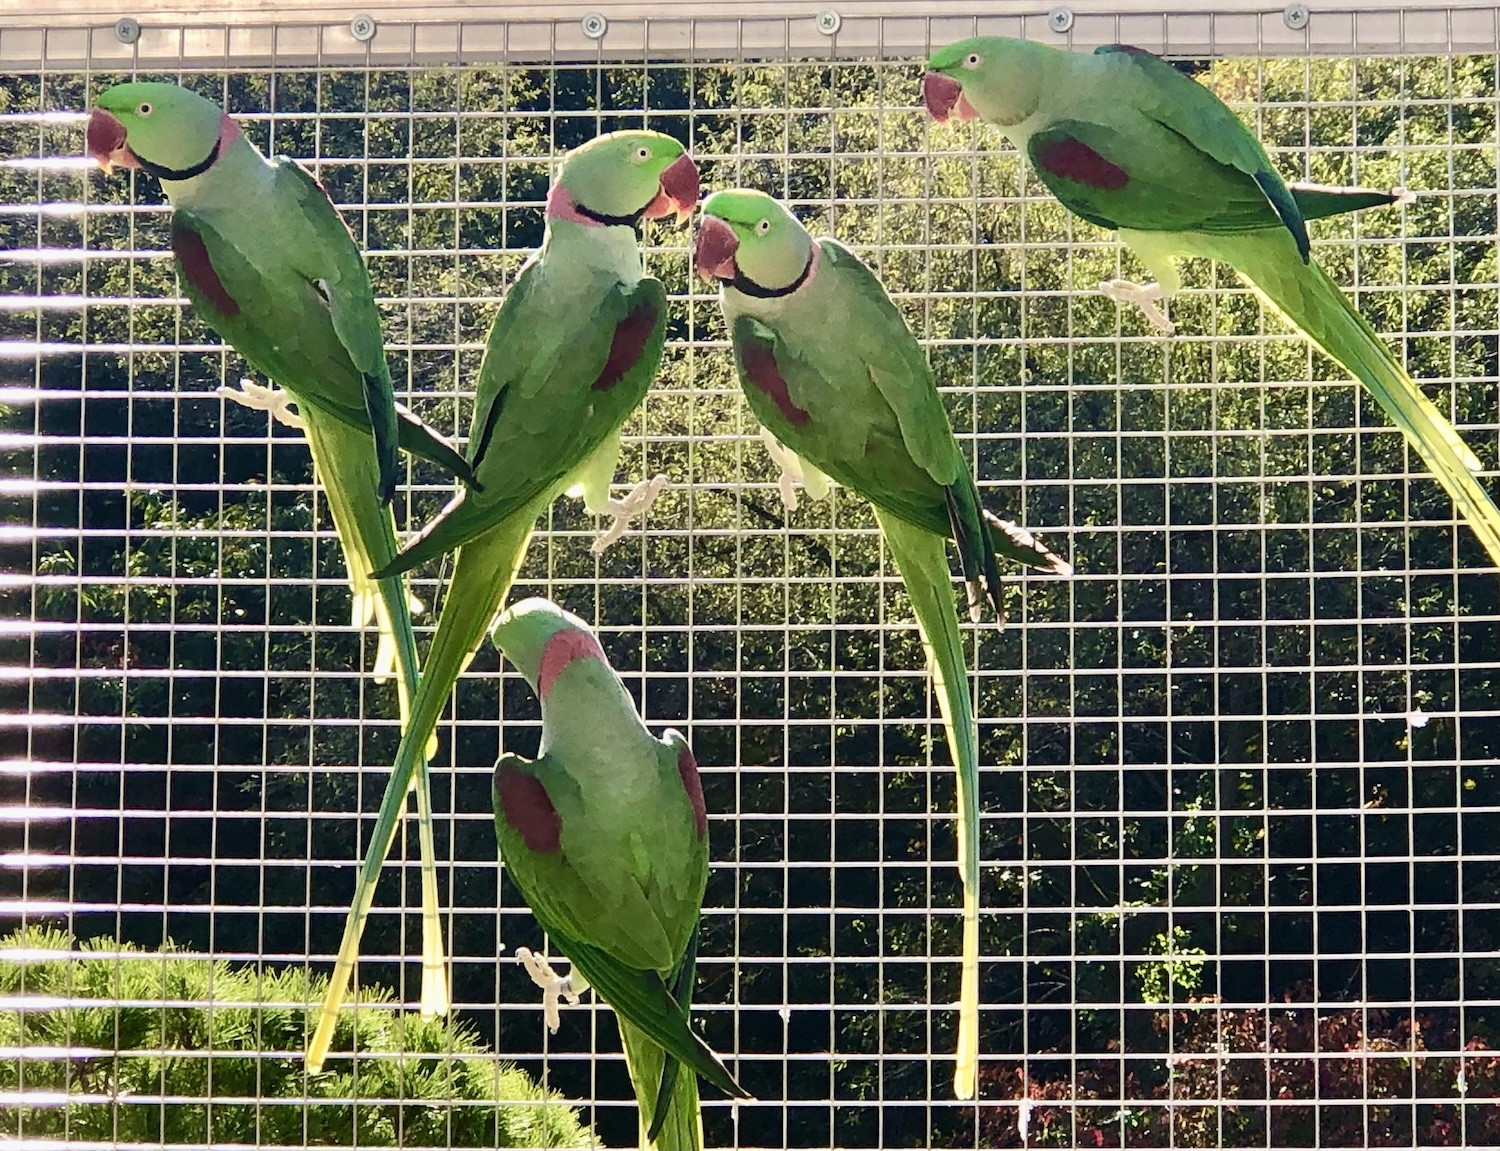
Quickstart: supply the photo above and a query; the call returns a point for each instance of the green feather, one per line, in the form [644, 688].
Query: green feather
[833, 373]
[1190, 179]
[540, 418]
[267, 262]
[618, 880]
[1310, 301]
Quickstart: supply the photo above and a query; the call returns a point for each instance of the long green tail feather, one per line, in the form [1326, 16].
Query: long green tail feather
[642, 996]
[1315, 201]
[1310, 300]
[681, 1127]
[485, 569]
[343, 455]
[923, 561]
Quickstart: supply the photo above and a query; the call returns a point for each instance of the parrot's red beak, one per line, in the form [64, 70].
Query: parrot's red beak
[944, 97]
[105, 142]
[714, 255]
[679, 191]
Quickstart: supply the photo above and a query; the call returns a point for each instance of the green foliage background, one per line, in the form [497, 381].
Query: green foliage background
[165, 1048]
[1201, 779]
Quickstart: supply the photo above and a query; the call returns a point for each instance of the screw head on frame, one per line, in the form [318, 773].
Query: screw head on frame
[362, 28]
[829, 21]
[595, 26]
[1060, 19]
[127, 30]
[1296, 16]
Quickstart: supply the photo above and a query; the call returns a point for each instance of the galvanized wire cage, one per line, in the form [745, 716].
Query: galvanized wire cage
[1241, 783]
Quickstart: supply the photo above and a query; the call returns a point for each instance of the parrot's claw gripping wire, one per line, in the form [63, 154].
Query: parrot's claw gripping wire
[274, 400]
[1146, 297]
[554, 987]
[634, 504]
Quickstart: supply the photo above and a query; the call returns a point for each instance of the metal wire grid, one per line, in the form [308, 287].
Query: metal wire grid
[191, 723]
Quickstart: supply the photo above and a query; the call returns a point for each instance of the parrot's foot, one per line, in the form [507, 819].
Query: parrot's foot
[636, 503]
[794, 470]
[791, 468]
[1142, 296]
[273, 400]
[554, 987]
[975, 592]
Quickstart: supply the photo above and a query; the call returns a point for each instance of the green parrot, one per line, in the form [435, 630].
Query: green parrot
[570, 356]
[829, 367]
[266, 260]
[606, 835]
[1127, 142]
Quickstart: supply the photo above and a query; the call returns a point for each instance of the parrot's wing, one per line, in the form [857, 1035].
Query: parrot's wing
[285, 330]
[1193, 112]
[896, 364]
[878, 467]
[338, 273]
[546, 401]
[1113, 180]
[917, 473]
[904, 379]
[245, 307]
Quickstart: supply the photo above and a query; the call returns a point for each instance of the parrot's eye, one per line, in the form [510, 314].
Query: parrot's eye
[762, 227]
[642, 154]
[973, 60]
[144, 109]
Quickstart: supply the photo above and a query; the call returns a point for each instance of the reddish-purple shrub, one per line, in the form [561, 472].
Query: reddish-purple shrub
[1285, 1076]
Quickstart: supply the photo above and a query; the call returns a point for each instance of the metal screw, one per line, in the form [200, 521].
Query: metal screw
[595, 26]
[829, 21]
[1296, 16]
[1060, 19]
[127, 30]
[362, 28]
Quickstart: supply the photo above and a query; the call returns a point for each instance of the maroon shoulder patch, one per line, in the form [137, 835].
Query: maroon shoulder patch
[628, 344]
[528, 809]
[687, 767]
[1072, 159]
[198, 269]
[1132, 50]
[761, 370]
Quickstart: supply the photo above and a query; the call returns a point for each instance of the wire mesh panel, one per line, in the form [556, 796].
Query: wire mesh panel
[1240, 772]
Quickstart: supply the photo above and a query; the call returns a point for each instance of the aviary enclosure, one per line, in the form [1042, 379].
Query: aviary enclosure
[1240, 772]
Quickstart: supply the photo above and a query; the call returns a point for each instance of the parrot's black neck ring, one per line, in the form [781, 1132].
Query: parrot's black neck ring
[631, 221]
[161, 172]
[742, 283]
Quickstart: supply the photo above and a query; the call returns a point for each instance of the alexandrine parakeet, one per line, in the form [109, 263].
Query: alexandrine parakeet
[1127, 142]
[829, 367]
[269, 264]
[606, 835]
[569, 357]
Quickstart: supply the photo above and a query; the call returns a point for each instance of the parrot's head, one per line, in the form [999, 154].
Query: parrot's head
[161, 128]
[621, 177]
[996, 78]
[750, 240]
[541, 640]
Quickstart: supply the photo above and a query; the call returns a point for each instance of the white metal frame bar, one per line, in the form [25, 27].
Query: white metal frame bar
[61, 34]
